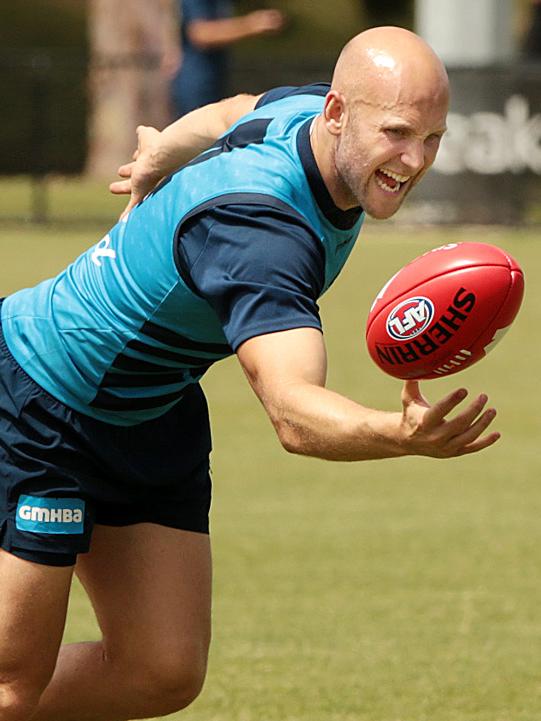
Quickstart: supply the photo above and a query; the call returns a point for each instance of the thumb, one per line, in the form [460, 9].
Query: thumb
[146, 134]
[411, 393]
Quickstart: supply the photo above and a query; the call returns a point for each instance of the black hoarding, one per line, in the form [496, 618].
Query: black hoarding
[489, 165]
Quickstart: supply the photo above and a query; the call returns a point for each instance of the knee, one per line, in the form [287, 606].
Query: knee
[176, 685]
[17, 703]
[169, 682]
[170, 687]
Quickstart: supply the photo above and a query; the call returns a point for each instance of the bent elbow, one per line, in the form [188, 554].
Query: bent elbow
[290, 439]
[289, 445]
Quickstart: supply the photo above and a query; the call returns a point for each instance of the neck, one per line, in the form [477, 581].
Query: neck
[323, 147]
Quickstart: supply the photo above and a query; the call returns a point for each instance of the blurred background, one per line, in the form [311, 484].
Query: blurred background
[77, 76]
[403, 590]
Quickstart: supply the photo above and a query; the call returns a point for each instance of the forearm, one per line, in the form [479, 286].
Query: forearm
[287, 371]
[209, 34]
[193, 133]
[159, 154]
[314, 421]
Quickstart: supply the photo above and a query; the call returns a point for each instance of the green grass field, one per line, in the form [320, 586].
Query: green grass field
[404, 590]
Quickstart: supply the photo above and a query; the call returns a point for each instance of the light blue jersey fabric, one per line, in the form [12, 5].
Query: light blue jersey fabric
[120, 333]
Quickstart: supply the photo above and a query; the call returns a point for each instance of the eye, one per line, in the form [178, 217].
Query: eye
[434, 138]
[396, 133]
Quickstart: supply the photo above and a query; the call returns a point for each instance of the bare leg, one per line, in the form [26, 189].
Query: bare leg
[150, 587]
[33, 603]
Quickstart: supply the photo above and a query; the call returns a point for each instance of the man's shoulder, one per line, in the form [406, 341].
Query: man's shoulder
[260, 232]
[289, 91]
[266, 216]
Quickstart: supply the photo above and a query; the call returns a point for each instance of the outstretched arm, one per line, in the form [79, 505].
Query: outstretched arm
[287, 371]
[160, 153]
[209, 34]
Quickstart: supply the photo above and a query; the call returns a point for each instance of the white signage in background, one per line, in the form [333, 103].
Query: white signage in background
[492, 143]
[467, 33]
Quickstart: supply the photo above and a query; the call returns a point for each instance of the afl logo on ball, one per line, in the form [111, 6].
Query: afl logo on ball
[410, 318]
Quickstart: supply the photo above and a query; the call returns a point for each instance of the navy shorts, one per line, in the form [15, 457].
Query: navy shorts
[61, 471]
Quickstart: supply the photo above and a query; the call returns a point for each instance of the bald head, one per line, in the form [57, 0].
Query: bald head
[382, 120]
[387, 65]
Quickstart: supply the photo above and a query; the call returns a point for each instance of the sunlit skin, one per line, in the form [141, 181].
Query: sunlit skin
[385, 114]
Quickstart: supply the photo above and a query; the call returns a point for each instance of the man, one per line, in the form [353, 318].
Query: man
[103, 424]
[208, 29]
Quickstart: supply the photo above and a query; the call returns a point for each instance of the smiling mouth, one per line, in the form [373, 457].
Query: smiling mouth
[390, 181]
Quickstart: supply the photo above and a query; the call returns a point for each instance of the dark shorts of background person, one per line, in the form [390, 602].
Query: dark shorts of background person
[61, 472]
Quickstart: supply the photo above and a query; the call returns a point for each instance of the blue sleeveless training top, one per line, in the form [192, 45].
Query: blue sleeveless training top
[121, 332]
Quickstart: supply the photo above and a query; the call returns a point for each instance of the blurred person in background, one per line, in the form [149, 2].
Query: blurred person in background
[208, 28]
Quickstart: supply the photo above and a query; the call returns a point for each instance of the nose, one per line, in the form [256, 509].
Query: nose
[413, 156]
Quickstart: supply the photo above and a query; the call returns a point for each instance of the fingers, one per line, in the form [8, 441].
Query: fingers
[437, 412]
[431, 434]
[463, 420]
[480, 445]
[472, 431]
[125, 171]
[463, 433]
[120, 187]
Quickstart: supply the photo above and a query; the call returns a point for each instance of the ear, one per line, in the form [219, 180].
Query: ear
[334, 112]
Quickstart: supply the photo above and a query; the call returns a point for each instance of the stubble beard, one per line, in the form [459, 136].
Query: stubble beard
[350, 185]
[356, 186]
[353, 184]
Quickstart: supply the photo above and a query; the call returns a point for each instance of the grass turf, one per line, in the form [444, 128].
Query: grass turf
[402, 590]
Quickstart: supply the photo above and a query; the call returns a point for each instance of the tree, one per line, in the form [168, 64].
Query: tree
[134, 48]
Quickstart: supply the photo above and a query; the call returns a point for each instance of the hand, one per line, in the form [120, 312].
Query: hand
[265, 21]
[141, 175]
[428, 433]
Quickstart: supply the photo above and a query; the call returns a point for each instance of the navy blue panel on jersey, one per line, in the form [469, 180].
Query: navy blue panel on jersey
[174, 355]
[260, 268]
[286, 91]
[171, 338]
[252, 131]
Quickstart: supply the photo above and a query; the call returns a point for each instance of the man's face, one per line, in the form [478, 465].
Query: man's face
[385, 149]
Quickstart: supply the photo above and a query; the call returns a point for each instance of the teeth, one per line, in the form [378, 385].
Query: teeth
[394, 176]
[383, 184]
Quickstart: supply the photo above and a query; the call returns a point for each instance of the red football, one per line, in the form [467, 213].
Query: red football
[444, 311]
